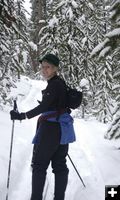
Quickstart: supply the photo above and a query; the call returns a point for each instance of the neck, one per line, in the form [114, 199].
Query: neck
[52, 76]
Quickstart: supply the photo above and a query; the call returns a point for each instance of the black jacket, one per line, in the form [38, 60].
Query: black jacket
[54, 97]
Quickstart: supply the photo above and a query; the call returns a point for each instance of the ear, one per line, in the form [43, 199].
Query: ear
[55, 68]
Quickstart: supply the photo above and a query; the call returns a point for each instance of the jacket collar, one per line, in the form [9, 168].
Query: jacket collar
[53, 78]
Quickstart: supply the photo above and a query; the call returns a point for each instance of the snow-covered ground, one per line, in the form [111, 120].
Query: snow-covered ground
[97, 159]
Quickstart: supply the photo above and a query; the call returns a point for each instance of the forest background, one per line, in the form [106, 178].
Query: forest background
[85, 34]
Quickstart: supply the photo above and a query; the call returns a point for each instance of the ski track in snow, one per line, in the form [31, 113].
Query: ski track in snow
[95, 158]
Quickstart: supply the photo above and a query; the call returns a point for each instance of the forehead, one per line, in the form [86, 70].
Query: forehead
[46, 64]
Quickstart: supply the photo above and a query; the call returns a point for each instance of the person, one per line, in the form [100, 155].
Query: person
[54, 131]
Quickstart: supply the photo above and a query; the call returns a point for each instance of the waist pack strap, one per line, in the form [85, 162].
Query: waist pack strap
[51, 115]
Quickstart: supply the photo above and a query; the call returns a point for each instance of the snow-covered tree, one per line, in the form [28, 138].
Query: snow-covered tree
[103, 103]
[20, 39]
[7, 19]
[114, 128]
[37, 21]
[13, 40]
[84, 85]
[112, 38]
[98, 74]
[73, 28]
[111, 45]
[62, 34]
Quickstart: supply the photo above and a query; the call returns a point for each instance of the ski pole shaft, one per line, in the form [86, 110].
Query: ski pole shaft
[9, 167]
[10, 155]
[76, 170]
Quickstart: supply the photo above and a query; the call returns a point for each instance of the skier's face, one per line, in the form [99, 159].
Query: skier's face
[48, 70]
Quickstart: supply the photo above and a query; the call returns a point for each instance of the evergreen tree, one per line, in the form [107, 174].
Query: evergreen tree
[37, 21]
[20, 39]
[62, 35]
[13, 40]
[94, 29]
[114, 128]
[72, 29]
[102, 93]
[103, 103]
[111, 45]
[7, 19]
[112, 38]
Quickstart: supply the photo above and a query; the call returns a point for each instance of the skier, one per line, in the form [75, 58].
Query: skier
[54, 131]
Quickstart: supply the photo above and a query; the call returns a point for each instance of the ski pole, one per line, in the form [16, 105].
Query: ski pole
[10, 155]
[76, 170]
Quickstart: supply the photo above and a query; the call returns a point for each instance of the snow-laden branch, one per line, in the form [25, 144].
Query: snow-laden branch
[33, 46]
[114, 33]
[104, 51]
[99, 47]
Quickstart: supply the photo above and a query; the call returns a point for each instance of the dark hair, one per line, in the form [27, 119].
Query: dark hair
[50, 58]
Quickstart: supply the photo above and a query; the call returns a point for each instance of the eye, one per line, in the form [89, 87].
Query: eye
[45, 67]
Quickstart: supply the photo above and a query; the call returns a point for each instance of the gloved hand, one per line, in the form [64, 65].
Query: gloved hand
[15, 115]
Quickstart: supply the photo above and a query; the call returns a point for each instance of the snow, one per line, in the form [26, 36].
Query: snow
[4, 48]
[53, 21]
[84, 40]
[104, 51]
[70, 13]
[74, 4]
[112, 14]
[96, 159]
[84, 83]
[41, 21]
[33, 46]
[115, 32]
[91, 6]
[27, 5]
[99, 47]
[22, 88]
[24, 54]
[81, 19]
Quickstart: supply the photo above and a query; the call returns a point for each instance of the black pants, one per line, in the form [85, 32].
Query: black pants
[49, 149]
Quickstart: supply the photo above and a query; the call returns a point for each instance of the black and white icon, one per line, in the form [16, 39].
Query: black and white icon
[112, 192]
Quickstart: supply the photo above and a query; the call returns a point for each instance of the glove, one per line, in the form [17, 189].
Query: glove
[15, 115]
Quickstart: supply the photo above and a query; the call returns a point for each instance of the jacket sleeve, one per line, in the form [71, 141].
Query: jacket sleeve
[48, 98]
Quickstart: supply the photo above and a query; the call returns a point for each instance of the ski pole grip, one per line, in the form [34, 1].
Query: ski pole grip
[15, 105]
